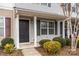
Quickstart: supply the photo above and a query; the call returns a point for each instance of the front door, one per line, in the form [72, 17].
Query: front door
[23, 31]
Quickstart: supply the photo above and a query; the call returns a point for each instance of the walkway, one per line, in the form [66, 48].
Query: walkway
[30, 52]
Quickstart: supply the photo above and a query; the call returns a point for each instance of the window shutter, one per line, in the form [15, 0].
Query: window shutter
[7, 27]
[56, 28]
[49, 4]
[38, 27]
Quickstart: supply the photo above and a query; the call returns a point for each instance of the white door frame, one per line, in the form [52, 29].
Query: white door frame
[29, 30]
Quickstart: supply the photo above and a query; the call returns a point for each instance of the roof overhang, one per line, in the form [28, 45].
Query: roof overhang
[32, 13]
[27, 12]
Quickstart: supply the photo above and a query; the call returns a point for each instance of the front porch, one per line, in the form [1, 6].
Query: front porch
[35, 33]
[30, 45]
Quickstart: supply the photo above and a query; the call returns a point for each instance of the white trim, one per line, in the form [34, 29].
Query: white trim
[58, 30]
[51, 28]
[63, 29]
[7, 8]
[4, 28]
[45, 5]
[35, 31]
[17, 30]
[4, 34]
[25, 43]
[42, 28]
[47, 27]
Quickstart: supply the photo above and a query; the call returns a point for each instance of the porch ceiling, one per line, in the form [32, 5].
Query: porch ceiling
[40, 14]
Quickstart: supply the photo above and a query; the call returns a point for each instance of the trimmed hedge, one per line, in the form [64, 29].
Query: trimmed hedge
[52, 47]
[7, 41]
[78, 44]
[8, 48]
[68, 41]
[61, 40]
[41, 42]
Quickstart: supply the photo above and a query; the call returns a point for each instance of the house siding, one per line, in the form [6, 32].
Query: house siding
[40, 37]
[7, 27]
[30, 10]
[8, 14]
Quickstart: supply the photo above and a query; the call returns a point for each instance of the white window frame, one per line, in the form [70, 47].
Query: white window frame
[44, 5]
[47, 27]
[42, 28]
[52, 28]
[3, 26]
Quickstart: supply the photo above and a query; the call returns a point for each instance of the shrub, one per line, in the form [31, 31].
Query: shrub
[68, 42]
[8, 48]
[7, 41]
[43, 41]
[52, 47]
[61, 40]
[78, 44]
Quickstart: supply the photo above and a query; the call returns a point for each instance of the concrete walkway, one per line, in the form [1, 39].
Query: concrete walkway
[30, 52]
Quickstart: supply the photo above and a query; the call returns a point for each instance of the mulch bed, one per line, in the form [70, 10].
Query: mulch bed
[14, 53]
[64, 52]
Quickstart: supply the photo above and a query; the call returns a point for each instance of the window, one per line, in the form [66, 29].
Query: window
[46, 27]
[43, 26]
[51, 28]
[46, 4]
[1, 26]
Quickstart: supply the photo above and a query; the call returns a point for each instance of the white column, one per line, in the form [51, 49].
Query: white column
[63, 29]
[68, 32]
[58, 30]
[35, 31]
[16, 30]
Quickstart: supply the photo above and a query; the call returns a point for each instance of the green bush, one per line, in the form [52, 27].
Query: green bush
[52, 47]
[8, 48]
[41, 42]
[61, 40]
[7, 41]
[68, 42]
[78, 44]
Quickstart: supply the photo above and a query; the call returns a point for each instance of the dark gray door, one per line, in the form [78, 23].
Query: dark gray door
[24, 31]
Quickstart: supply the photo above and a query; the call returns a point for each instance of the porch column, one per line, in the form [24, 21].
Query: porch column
[63, 29]
[68, 32]
[16, 30]
[35, 31]
[58, 28]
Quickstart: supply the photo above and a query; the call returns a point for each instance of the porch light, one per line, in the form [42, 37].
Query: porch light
[68, 9]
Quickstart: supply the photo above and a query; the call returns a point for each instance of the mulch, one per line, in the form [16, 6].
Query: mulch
[17, 52]
[65, 51]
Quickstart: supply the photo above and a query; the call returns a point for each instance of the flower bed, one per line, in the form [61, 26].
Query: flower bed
[65, 51]
[51, 48]
[14, 53]
[7, 48]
